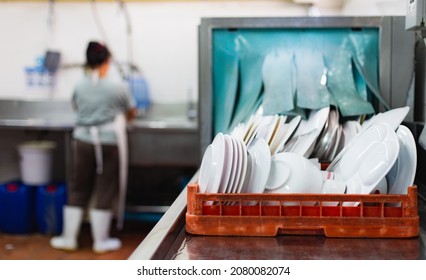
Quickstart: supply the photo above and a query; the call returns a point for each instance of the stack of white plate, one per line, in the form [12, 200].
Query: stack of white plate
[224, 165]
[229, 166]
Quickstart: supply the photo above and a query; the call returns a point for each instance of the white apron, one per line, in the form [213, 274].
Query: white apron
[119, 127]
[121, 131]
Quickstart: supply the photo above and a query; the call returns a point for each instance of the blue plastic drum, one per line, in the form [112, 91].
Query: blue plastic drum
[17, 208]
[50, 200]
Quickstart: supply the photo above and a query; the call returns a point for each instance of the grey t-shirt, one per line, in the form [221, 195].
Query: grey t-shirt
[98, 103]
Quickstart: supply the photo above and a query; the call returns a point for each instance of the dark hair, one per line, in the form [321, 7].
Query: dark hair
[96, 54]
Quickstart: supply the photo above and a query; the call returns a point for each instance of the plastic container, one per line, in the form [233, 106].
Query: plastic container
[50, 200]
[17, 208]
[140, 91]
[375, 217]
[36, 162]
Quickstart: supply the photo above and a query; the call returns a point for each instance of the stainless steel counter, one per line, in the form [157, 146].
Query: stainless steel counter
[67, 124]
[168, 240]
[36, 115]
[58, 115]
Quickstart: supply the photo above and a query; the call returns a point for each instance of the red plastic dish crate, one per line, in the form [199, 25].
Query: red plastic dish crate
[377, 216]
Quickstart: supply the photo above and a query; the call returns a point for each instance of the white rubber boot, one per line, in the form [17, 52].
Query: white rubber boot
[100, 221]
[72, 221]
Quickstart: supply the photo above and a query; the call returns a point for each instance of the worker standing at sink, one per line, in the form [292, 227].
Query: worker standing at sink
[99, 168]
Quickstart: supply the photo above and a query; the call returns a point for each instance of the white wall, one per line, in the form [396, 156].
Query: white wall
[164, 38]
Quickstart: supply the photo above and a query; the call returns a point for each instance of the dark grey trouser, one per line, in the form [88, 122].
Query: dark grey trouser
[85, 182]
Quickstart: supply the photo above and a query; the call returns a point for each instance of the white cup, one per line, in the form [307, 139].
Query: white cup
[303, 175]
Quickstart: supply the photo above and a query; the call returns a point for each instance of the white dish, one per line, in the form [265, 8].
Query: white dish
[302, 144]
[315, 161]
[283, 133]
[207, 167]
[368, 159]
[251, 134]
[248, 126]
[290, 129]
[316, 120]
[349, 131]
[392, 118]
[227, 166]
[246, 179]
[357, 126]
[239, 131]
[273, 128]
[402, 173]
[336, 143]
[277, 140]
[382, 187]
[233, 162]
[332, 186]
[220, 150]
[238, 161]
[274, 137]
[260, 156]
[266, 127]
[243, 164]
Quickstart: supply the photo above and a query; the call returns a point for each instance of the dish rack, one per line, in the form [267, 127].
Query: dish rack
[376, 216]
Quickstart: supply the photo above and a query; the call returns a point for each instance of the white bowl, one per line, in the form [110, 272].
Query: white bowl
[278, 175]
[303, 175]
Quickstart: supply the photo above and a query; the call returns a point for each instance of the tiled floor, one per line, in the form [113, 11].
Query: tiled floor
[36, 246]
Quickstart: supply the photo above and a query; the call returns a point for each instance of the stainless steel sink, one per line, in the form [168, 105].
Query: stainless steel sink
[59, 115]
[166, 116]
